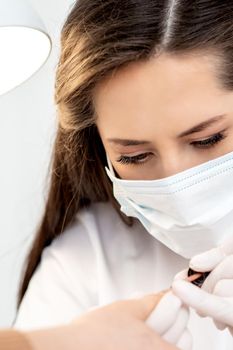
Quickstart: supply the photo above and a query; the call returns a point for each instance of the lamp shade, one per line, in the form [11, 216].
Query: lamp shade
[24, 43]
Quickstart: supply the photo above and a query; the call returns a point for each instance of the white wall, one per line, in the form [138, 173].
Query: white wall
[27, 130]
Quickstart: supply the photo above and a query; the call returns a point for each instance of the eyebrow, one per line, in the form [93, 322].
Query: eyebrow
[200, 127]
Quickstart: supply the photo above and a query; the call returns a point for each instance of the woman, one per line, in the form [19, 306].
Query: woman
[141, 172]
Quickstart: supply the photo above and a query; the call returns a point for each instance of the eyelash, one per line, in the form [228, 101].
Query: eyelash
[203, 144]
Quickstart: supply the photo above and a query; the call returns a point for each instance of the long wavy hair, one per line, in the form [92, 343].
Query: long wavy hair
[98, 38]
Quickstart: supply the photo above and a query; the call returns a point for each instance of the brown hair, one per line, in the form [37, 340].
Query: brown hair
[97, 38]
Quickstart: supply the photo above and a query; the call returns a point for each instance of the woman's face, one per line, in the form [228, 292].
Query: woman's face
[160, 117]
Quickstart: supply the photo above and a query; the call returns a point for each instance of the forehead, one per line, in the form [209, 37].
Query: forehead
[164, 87]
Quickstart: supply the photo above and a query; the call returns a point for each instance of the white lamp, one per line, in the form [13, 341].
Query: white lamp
[24, 43]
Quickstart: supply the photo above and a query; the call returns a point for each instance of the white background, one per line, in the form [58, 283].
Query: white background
[27, 130]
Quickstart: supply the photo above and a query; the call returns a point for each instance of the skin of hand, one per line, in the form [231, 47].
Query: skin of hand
[120, 325]
[215, 297]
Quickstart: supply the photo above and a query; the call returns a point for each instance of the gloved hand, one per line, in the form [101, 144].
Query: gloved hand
[215, 297]
[169, 319]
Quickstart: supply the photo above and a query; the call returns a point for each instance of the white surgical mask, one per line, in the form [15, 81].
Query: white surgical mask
[189, 212]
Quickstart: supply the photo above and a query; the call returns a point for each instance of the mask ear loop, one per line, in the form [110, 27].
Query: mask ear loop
[110, 165]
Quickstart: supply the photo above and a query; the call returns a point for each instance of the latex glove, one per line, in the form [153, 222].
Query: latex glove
[169, 319]
[215, 298]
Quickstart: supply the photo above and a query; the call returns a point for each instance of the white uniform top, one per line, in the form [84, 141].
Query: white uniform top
[98, 260]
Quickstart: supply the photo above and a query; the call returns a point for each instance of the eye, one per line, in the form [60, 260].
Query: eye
[204, 144]
[140, 158]
[210, 142]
